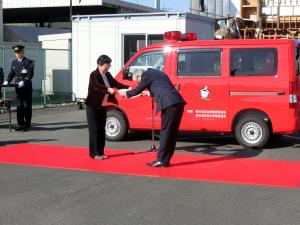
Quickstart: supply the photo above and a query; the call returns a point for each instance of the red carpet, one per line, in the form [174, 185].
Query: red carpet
[188, 167]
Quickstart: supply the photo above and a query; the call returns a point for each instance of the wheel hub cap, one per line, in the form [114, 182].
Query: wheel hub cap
[112, 127]
[251, 132]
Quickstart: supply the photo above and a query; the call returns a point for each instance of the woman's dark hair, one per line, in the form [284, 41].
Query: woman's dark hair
[103, 59]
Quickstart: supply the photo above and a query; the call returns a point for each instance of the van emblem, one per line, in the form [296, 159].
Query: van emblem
[204, 93]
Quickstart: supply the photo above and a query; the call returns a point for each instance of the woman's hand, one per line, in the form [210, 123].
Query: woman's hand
[111, 91]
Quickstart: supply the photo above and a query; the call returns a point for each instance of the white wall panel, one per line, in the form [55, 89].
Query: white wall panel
[81, 58]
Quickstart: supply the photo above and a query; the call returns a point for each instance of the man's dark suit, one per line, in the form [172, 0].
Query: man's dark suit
[96, 113]
[23, 71]
[171, 105]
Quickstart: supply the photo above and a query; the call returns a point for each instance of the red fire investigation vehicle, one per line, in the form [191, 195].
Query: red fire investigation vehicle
[250, 88]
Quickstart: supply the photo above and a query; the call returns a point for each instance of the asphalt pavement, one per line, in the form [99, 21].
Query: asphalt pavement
[43, 196]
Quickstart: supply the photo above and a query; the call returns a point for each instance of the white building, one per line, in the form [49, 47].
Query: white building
[120, 35]
[56, 13]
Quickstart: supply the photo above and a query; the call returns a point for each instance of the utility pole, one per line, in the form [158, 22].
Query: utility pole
[259, 12]
[278, 14]
[70, 42]
[71, 16]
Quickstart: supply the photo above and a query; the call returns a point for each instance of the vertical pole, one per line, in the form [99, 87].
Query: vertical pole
[3, 64]
[259, 13]
[157, 4]
[71, 45]
[278, 14]
[71, 16]
[228, 11]
[45, 76]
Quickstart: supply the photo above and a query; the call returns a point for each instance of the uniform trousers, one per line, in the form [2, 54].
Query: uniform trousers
[170, 122]
[96, 119]
[24, 108]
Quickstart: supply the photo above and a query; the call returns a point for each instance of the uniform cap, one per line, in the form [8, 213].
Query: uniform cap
[17, 48]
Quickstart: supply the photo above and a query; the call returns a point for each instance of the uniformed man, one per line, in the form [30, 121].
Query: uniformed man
[22, 69]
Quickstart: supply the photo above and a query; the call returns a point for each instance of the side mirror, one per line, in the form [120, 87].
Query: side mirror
[126, 74]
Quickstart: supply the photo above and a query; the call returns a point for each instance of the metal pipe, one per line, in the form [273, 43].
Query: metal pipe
[259, 9]
[157, 4]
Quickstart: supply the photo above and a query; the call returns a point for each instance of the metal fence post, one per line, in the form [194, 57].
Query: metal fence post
[44, 80]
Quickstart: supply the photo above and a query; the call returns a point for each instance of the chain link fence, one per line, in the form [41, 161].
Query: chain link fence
[52, 80]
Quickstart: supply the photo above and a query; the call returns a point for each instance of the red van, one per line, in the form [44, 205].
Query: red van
[250, 88]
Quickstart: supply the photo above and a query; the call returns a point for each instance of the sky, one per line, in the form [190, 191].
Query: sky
[170, 5]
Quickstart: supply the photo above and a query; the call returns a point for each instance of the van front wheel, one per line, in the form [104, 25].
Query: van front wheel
[252, 132]
[116, 126]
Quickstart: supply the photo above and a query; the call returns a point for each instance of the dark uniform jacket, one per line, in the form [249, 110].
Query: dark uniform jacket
[1, 80]
[97, 89]
[22, 71]
[160, 87]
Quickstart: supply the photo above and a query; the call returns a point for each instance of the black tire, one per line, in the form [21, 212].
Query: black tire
[116, 127]
[252, 132]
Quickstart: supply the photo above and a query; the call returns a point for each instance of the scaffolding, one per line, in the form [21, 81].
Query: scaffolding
[274, 18]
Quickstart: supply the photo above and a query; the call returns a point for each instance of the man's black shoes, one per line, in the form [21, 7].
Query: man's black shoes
[24, 128]
[19, 128]
[158, 164]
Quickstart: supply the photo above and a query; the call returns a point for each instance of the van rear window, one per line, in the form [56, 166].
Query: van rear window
[253, 62]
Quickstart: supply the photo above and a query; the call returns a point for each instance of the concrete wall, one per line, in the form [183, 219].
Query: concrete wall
[216, 8]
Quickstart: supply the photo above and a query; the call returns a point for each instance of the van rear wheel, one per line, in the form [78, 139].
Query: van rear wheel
[252, 132]
[116, 127]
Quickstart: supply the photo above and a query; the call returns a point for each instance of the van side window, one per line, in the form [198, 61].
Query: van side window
[253, 62]
[154, 59]
[297, 60]
[199, 62]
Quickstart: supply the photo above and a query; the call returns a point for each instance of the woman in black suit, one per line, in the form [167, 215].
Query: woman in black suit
[100, 91]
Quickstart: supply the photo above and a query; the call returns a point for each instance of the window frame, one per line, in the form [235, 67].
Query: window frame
[200, 50]
[253, 73]
[147, 52]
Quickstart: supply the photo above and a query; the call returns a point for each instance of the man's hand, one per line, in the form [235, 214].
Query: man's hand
[5, 83]
[145, 93]
[111, 91]
[21, 84]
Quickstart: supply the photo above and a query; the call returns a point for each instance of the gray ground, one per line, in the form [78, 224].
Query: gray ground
[38, 196]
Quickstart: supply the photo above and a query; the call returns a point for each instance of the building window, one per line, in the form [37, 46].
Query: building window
[134, 42]
[199, 62]
[253, 62]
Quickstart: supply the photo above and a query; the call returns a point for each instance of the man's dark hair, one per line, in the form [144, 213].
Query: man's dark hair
[103, 59]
